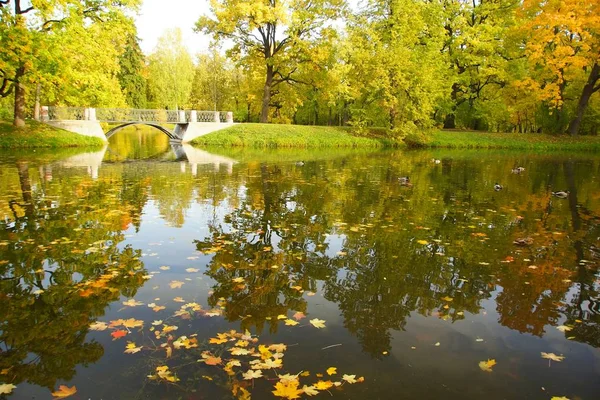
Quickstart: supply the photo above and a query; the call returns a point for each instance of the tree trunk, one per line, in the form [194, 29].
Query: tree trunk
[264, 113]
[588, 90]
[19, 117]
[36, 109]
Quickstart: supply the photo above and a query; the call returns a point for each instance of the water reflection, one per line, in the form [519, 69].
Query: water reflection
[62, 262]
[276, 238]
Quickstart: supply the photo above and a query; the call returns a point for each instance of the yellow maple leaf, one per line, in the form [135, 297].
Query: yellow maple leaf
[310, 390]
[287, 390]
[64, 391]
[331, 371]
[133, 323]
[291, 322]
[131, 348]
[487, 365]
[349, 378]
[323, 385]
[317, 323]
[176, 284]
[252, 374]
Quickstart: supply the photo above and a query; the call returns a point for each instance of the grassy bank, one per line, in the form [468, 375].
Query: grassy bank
[529, 141]
[298, 136]
[36, 134]
[288, 136]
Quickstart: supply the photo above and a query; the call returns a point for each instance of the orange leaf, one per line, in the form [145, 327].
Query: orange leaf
[64, 391]
[118, 334]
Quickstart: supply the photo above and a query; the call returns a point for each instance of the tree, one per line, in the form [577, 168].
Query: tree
[170, 71]
[478, 50]
[396, 69]
[212, 81]
[133, 84]
[28, 36]
[563, 43]
[275, 32]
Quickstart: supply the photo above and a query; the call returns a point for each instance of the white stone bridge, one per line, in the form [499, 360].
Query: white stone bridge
[187, 124]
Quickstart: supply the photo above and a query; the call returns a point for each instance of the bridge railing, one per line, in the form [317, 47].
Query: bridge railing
[120, 115]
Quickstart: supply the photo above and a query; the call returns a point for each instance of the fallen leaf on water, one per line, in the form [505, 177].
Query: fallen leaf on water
[437, 344]
[179, 300]
[422, 242]
[191, 270]
[131, 348]
[349, 378]
[487, 365]
[564, 328]
[291, 322]
[331, 371]
[165, 268]
[447, 298]
[6, 388]
[157, 322]
[288, 378]
[323, 385]
[118, 334]
[252, 374]
[281, 316]
[213, 360]
[133, 323]
[176, 284]
[559, 398]
[64, 391]
[98, 326]
[299, 315]
[132, 303]
[287, 390]
[310, 390]
[278, 347]
[317, 323]
[552, 357]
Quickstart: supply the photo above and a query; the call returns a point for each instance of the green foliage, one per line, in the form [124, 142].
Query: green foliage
[170, 72]
[68, 47]
[133, 83]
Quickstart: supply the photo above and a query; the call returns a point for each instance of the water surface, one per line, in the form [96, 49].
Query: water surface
[416, 284]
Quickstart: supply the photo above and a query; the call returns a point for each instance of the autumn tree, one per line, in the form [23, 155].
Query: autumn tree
[563, 45]
[170, 72]
[28, 34]
[276, 33]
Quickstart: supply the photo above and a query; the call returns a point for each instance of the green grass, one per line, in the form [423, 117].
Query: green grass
[289, 136]
[522, 141]
[299, 136]
[37, 134]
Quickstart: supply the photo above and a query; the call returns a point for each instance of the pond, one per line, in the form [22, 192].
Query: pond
[151, 271]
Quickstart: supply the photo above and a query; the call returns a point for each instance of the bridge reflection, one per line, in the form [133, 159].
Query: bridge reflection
[183, 153]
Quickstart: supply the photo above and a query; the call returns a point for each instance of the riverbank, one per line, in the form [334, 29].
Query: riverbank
[37, 134]
[290, 136]
[298, 136]
[517, 141]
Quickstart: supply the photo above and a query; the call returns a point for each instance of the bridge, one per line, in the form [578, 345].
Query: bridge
[187, 124]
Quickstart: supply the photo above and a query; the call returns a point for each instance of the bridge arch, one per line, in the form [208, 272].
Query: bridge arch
[164, 130]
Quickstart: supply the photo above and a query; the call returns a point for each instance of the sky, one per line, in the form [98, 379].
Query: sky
[156, 16]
